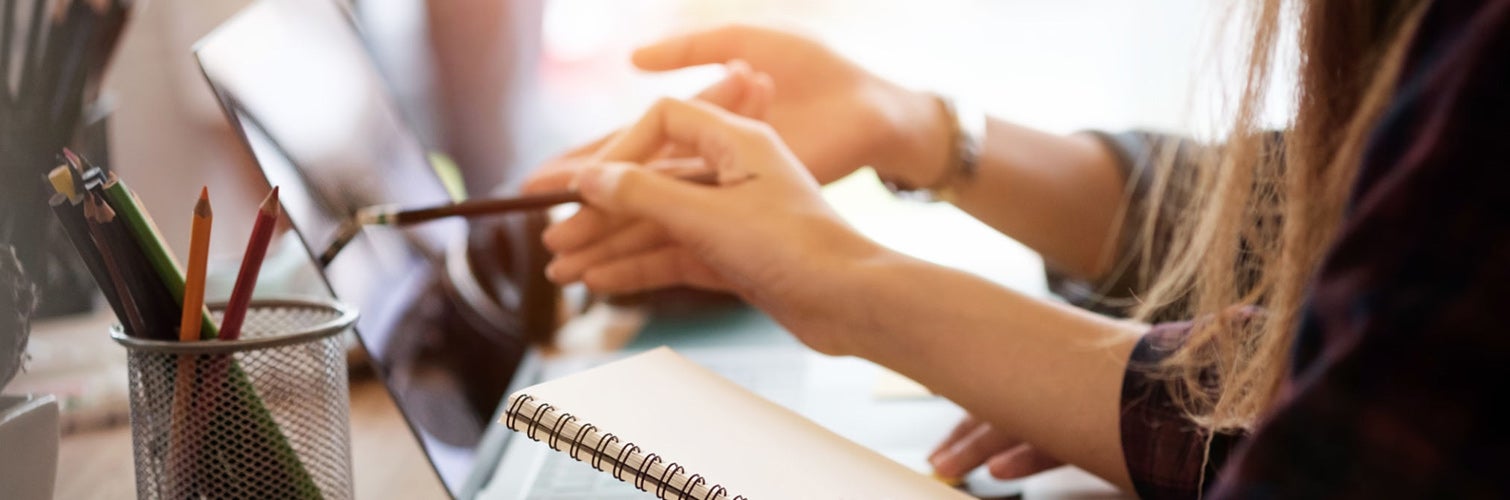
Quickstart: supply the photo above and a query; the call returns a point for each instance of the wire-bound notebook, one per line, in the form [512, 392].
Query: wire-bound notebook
[677, 430]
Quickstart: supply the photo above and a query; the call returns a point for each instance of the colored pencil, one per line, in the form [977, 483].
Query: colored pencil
[394, 216]
[182, 437]
[147, 237]
[97, 213]
[251, 265]
[160, 313]
[62, 181]
[71, 217]
[390, 215]
[199, 253]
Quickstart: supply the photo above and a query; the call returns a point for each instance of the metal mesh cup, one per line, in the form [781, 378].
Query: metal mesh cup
[264, 416]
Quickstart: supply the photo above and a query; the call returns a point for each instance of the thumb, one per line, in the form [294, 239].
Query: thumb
[630, 189]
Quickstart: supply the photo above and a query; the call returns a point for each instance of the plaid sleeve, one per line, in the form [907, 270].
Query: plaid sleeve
[1398, 386]
[1135, 152]
[1168, 456]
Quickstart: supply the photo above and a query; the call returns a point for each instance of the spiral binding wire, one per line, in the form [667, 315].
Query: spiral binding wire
[620, 460]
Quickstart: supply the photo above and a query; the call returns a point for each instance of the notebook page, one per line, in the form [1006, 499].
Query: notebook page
[670, 406]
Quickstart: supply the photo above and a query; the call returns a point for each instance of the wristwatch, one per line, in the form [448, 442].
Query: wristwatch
[967, 136]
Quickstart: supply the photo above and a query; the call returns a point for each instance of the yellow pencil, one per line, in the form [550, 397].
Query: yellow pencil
[199, 251]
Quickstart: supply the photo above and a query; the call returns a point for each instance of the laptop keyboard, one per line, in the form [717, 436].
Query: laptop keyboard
[777, 377]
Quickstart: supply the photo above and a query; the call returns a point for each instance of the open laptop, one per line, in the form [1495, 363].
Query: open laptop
[295, 78]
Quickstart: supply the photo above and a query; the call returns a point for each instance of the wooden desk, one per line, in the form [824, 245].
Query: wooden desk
[386, 460]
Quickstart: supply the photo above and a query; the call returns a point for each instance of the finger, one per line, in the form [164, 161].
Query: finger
[716, 133]
[554, 177]
[693, 49]
[756, 98]
[558, 172]
[971, 452]
[761, 94]
[733, 88]
[679, 167]
[1021, 461]
[581, 229]
[634, 239]
[964, 428]
[629, 191]
[743, 92]
[721, 138]
[661, 268]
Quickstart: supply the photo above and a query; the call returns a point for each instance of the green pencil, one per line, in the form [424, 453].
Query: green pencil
[147, 236]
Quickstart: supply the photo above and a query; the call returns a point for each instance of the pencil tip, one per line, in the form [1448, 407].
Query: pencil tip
[202, 207]
[270, 204]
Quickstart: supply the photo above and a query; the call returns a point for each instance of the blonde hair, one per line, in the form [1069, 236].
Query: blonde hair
[1256, 217]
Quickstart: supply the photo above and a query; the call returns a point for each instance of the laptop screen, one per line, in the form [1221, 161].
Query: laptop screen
[297, 81]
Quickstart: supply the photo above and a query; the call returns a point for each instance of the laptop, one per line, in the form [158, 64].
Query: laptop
[297, 82]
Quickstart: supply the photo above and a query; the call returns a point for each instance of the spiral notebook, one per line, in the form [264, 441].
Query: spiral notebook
[677, 430]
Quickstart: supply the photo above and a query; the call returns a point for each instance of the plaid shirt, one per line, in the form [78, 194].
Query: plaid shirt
[1400, 379]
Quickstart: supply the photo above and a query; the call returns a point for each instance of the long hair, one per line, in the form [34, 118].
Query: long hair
[1258, 214]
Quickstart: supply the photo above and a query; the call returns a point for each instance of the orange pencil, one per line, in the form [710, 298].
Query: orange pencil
[199, 253]
[251, 264]
[184, 438]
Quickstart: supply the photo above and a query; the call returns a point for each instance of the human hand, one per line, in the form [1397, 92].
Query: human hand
[833, 114]
[974, 442]
[742, 91]
[764, 234]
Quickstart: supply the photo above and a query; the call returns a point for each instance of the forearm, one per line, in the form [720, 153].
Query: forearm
[1049, 373]
[1059, 195]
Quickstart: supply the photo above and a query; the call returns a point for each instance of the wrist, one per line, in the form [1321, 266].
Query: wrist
[871, 323]
[916, 148]
[834, 314]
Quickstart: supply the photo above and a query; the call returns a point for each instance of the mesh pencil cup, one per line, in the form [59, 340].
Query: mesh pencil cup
[263, 416]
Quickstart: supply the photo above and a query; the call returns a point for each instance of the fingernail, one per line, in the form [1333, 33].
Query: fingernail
[737, 66]
[599, 181]
[941, 460]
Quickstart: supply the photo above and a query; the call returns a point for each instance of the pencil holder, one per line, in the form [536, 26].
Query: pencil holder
[264, 416]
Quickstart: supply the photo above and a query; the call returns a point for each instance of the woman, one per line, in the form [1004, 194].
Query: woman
[1340, 279]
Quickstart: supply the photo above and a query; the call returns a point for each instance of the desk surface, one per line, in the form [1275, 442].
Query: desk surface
[388, 463]
[386, 460]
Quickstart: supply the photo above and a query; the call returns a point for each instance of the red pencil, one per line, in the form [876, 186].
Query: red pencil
[251, 264]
